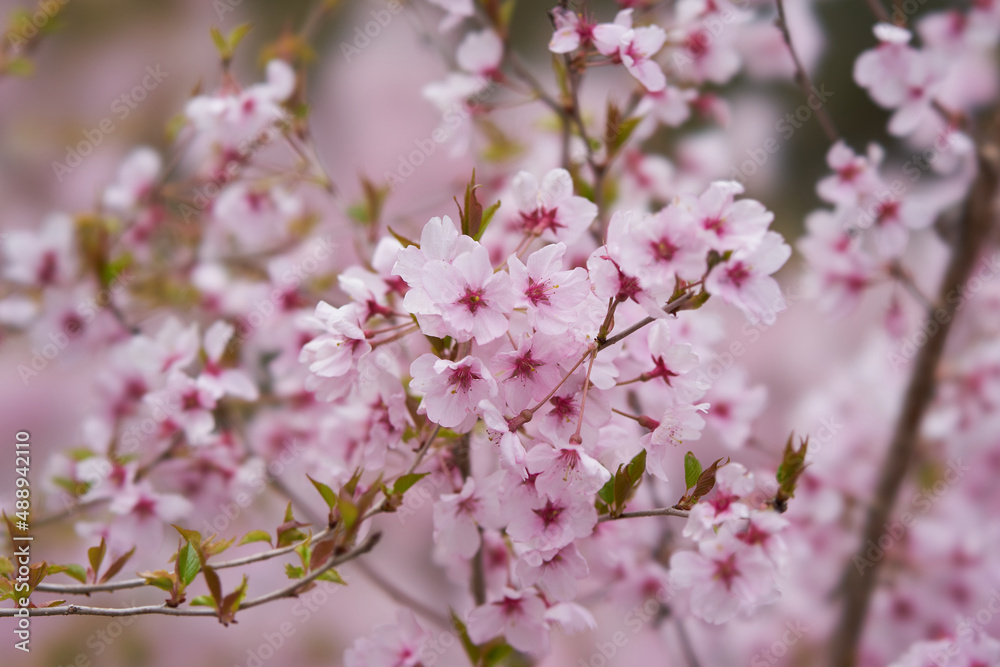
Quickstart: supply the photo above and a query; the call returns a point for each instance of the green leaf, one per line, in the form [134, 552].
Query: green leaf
[692, 469]
[294, 571]
[203, 601]
[21, 67]
[623, 133]
[160, 579]
[220, 43]
[405, 482]
[188, 563]
[487, 219]
[95, 555]
[329, 497]
[237, 35]
[331, 576]
[231, 603]
[78, 572]
[255, 536]
[793, 462]
[402, 239]
[192, 536]
[471, 649]
[607, 492]
[497, 654]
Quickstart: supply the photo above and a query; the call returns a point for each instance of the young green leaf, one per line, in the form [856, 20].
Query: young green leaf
[692, 470]
[329, 497]
[188, 563]
[255, 536]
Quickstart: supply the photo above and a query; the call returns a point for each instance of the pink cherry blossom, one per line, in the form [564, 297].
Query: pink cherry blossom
[452, 390]
[572, 31]
[727, 224]
[517, 615]
[564, 466]
[723, 505]
[635, 47]
[403, 644]
[550, 208]
[135, 180]
[334, 356]
[472, 299]
[745, 279]
[457, 517]
[556, 573]
[550, 294]
[735, 405]
[481, 53]
[44, 257]
[680, 423]
[552, 521]
[529, 372]
[726, 578]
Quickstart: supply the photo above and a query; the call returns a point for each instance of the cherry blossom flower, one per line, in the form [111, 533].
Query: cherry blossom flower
[735, 404]
[550, 208]
[572, 31]
[143, 513]
[217, 379]
[635, 47]
[727, 224]
[452, 390]
[529, 372]
[457, 517]
[854, 175]
[745, 279]
[471, 298]
[552, 521]
[680, 422]
[135, 180]
[498, 430]
[556, 573]
[726, 578]
[972, 647]
[564, 466]
[334, 356]
[550, 294]
[666, 246]
[517, 615]
[403, 644]
[187, 404]
[732, 482]
[481, 53]
[42, 258]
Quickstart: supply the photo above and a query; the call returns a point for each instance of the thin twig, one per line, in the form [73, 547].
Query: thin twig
[802, 78]
[290, 590]
[662, 511]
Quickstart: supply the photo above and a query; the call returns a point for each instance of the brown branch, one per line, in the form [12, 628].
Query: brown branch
[802, 78]
[663, 511]
[290, 590]
[857, 586]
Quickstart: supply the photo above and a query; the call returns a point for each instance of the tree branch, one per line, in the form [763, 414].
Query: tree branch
[290, 590]
[972, 230]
